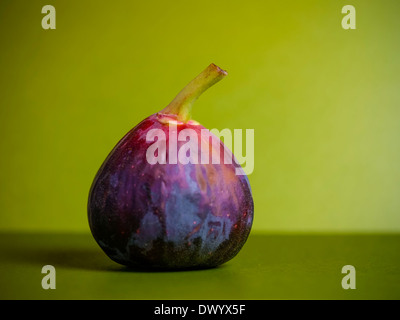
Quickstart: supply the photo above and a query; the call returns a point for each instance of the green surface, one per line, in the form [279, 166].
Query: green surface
[285, 266]
[324, 102]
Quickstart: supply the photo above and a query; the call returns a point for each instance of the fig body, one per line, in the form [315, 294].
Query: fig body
[169, 215]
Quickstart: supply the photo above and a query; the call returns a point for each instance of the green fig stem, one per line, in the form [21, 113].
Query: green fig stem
[182, 103]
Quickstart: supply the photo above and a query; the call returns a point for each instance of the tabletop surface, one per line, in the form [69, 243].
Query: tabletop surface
[270, 266]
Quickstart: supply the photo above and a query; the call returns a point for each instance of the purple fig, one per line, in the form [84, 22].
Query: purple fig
[170, 214]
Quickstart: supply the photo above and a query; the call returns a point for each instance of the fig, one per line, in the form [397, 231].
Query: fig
[153, 206]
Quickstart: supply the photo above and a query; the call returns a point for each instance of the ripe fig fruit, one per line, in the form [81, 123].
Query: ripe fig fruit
[171, 214]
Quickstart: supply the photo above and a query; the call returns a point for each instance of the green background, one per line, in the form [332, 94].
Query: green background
[323, 101]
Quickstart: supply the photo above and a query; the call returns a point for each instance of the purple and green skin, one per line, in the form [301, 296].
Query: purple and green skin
[170, 216]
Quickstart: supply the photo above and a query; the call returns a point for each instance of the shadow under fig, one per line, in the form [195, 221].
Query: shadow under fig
[90, 260]
[83, 259]
[81, 254]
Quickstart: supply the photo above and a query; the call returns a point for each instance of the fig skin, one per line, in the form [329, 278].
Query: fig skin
[168, 216]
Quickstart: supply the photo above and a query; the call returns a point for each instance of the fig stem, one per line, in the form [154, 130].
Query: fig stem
[182, 103]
